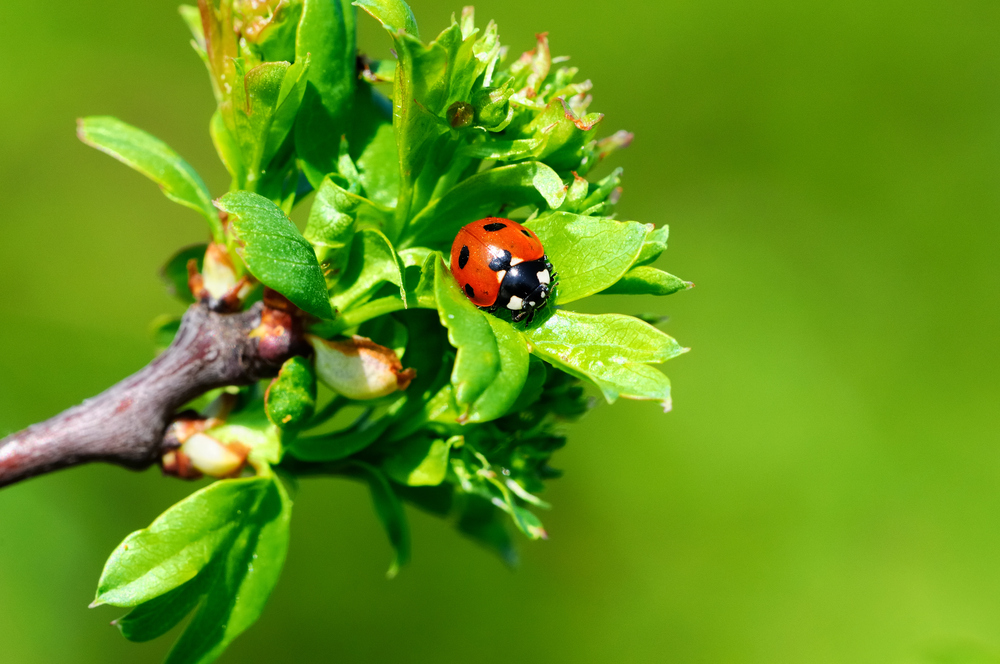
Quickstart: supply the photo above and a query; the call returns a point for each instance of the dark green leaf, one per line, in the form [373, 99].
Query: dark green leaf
[290, 400]
[341, 444]
[161, 614]
[482, 521]
[420, 461]
[175, 272]
[333, 218]
[589, 253]
[154, 159]
[390, 513]
[610, 350]
[478, 360]
[275, 252]
[326, 35]
[371, 263]
[533, 385]
[373, 142]
[645, 280]
[483, 195]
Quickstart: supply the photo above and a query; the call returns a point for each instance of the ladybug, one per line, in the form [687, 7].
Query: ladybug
[500, 263]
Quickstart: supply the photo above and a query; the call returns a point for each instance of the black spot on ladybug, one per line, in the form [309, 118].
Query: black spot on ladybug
[463, 257]
[526, 233]
[501, 262]
[496, 226]
[469, 291]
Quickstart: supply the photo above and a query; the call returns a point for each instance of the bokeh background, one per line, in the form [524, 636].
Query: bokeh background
[827, 488]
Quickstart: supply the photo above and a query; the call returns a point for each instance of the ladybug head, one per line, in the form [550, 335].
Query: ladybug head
[525, 288]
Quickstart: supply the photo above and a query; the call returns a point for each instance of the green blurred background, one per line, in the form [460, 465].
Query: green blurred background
[827, 488]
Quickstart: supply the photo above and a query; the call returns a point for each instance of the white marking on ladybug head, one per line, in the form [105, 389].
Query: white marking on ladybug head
[515, 261]
[515, 303]
[500, 275]
[543, 277]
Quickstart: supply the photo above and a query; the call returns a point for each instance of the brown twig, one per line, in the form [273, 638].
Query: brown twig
[126, 424]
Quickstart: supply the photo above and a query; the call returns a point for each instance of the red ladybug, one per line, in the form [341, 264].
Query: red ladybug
[500, 263]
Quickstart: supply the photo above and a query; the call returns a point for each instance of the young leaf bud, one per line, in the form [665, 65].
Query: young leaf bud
[492, 106]
[359, 368]
[212, 457]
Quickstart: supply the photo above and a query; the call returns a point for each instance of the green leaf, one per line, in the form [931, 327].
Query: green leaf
[163, 329]
[175, 273]
[428, 80]
[645, 280]
[500, 396]
[534, 385]
[655, 244]
[390, 512]
[192, 19]
[483, 195]
[161, 614]
[241, 578]
[290, 399]
[340, 444]
[477, 362]
[420, 461]
[255, 102]
[275, 252]
[483, 522]
[373, 143]
[612, 351]
[228, 149]
[333, 218]
[394, 15]
[371, 263]
[590, 254]
[179, 544]
[154, 159]
[326, 35]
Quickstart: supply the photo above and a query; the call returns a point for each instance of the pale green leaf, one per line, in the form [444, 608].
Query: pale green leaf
[612, 351]
[154, 159]
[589, 254]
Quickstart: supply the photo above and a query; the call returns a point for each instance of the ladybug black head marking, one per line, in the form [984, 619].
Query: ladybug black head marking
[495, 226]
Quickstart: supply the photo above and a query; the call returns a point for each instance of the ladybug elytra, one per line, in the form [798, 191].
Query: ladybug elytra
[499, 263]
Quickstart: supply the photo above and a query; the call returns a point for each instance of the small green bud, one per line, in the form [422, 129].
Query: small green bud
[492, 106]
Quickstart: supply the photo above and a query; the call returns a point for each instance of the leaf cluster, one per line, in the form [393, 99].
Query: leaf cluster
[411, 388]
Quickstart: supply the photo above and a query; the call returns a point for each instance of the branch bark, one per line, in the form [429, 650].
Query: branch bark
[126, 424]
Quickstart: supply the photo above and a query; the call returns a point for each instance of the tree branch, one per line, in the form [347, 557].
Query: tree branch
[126, 424]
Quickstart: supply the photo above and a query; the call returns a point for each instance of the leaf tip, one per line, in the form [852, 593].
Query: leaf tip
[96, 603]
